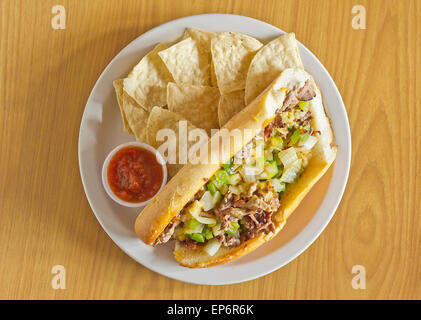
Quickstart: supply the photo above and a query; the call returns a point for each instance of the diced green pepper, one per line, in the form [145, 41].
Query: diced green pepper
[305, 136]
[295, 137]
[207, 233]
[277, 142]
[221, 177]
[193, 224]
[269, 154]
[277, 159]
[280, 169]
[211, 187]
[233, 229]
[224, 189]
[289, 174]
[282, 188]
[303, 105]
[271, 169]
[235, 179]
[278, 185]
[228, 166]
[197, 237]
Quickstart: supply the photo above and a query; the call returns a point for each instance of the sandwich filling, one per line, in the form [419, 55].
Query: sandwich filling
[238, 203]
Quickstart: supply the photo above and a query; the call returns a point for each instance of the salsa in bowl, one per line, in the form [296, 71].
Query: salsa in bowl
[133, 173]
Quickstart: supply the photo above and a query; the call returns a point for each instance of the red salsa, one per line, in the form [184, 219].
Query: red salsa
[134, 174]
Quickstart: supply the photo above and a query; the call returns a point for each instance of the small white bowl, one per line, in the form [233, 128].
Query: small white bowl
[112, 195]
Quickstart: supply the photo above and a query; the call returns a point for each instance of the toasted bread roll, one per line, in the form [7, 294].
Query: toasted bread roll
[159, 213]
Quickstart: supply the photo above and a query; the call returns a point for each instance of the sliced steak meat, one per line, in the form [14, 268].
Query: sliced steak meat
[305, 120]
[227, 212]
[229, 240]
[255, 208]
[306, 93]
[168, 232]
[248, 203]
[257, 222]
[268, 198]
[232, 207]
[291, 100]
[264, 198]
[276, 123]
[223, 212]
[268, 130]
[252, 204]
[260, 208]
[190, 244]
[252, 189]
[227, 201]
[227, 215]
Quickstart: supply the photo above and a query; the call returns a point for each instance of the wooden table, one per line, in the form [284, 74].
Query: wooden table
[45, 219]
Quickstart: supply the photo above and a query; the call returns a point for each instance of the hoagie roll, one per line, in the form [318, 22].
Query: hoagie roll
[217, 212]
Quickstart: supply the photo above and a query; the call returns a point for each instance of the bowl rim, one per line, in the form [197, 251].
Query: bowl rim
[107, 160]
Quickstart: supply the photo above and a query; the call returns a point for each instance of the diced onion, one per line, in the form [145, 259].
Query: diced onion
[205, 220]
[251, 171]
[212, 246]
[206, 201]
[309, 143]
[196, 208]
[288, 156]
[209, 201]
[248, 174]
[290, 173]
[234, 190]
[235, 179]
[277, 185]
[262, 176]
[268, 154]
[216, 230]
[238, 189]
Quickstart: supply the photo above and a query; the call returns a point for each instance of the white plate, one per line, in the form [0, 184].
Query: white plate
[101, 130]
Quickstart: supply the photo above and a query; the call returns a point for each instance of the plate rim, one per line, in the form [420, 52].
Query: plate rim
[320, 228]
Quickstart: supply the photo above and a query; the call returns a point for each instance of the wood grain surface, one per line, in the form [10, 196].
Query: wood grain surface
[45, 219]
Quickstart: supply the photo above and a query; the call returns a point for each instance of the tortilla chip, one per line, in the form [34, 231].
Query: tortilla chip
[231, 54]
[276, 56]
[214, 82]
[136, 116]
[160, 118]
[203, 38]
[187, 63]
[118, 86]
[229, 105]
[197, 104]
[147, 82]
